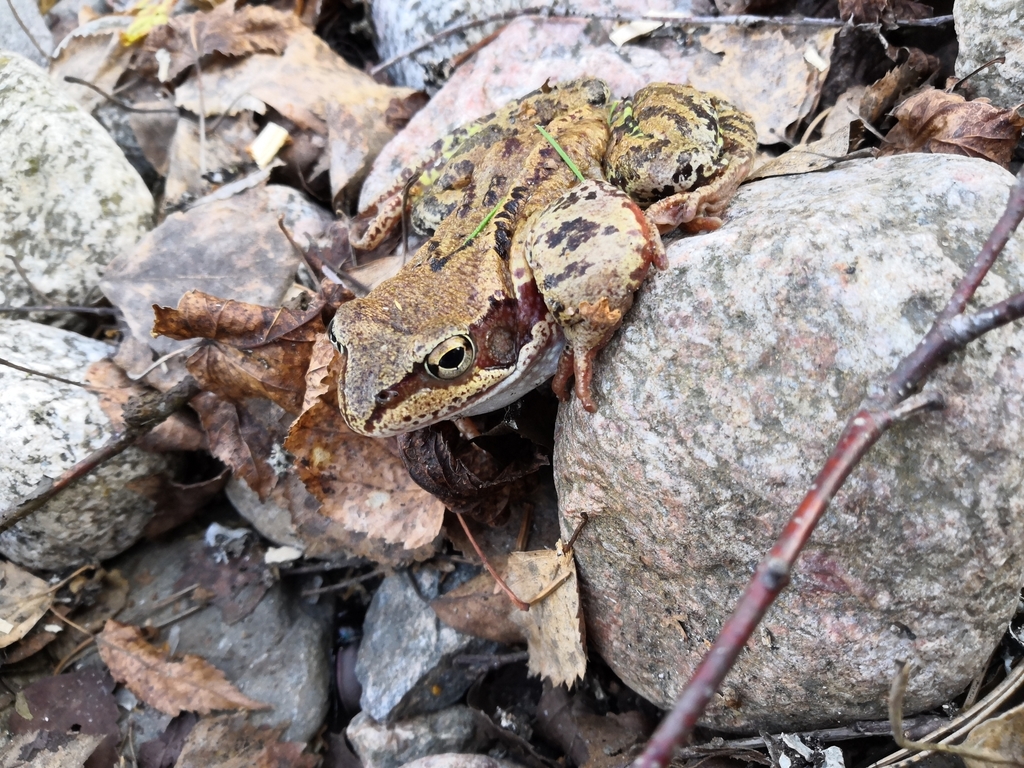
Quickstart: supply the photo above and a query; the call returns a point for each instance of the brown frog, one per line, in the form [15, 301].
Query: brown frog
[540, 239]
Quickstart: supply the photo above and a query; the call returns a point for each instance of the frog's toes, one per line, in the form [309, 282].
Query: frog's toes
[580, 368]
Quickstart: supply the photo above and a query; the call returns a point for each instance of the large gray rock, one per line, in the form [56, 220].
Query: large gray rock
[987, 29]
[455, 729]
[46, 427]
[719, 401]
[69, 201]
[406, 659]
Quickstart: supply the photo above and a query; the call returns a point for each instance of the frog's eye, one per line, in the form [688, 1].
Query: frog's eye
[451, 358]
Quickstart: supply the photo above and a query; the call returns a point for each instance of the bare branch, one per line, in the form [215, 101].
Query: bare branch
[140, 418]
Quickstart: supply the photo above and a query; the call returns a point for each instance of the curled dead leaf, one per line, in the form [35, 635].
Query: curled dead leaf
[936, 121]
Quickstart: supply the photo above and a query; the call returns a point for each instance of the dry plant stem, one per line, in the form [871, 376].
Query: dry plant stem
[961, 725]
[147, 416]
[522, 606]
[951, 331]
[896, 693]
[43, 375]
[54, 308]
[24, 275]
[17, 18]
[676, 19]
[113, 99]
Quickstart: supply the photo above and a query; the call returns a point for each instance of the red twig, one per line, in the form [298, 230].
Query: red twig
[951, 330]
[520, 604]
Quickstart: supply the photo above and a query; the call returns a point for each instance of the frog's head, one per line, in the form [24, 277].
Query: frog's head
[412, 355]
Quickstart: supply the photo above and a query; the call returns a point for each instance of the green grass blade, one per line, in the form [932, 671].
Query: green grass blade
[561, 152]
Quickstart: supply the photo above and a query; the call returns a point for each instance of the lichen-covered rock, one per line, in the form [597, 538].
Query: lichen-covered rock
[988, 29]
[46, 427]
[69, 201]
[719, 401]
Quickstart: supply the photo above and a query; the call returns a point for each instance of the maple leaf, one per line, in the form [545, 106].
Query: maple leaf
[940, 122]
[191, 684]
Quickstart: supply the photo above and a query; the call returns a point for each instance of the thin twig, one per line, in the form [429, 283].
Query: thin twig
[520, 604]
[24, 275]
[950, 331]
[667, 18]
[152, 412]
[55, 308]
[42, 374]
[191, 346]
[342, 585]
[113, 99]
[202, 101]
[35, 44]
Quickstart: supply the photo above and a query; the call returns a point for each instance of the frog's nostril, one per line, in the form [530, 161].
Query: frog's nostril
[385, 396]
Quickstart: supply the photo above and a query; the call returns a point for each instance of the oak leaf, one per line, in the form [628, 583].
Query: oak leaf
[940, 122]
[554, 629]
[191, 684]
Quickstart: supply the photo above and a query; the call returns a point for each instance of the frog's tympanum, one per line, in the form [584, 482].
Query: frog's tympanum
[529, 270]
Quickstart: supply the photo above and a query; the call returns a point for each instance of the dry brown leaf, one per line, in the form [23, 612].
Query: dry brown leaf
[195, 167]
[299, 84]
[940, 122]
[24, 599]
[47, 749]
[882, 95]
[258, 351]
[93, 52]
[474, 608]
[804, 158]
[359, 481]
[233, 248]
[1003, 734]
[250, 29]
[191, 684]
[589, 740]
[245, 437]
[317, 374]
[230, 742]
[553, 625]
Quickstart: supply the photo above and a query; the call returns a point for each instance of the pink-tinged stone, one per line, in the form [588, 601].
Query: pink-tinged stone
[719, 401]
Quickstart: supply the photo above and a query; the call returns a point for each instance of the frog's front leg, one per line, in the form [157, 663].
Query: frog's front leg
[589, 251]
[681, 152]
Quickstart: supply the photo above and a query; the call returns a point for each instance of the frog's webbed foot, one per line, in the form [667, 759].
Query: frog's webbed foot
[699, 210]
[588, 329]
[370, 228]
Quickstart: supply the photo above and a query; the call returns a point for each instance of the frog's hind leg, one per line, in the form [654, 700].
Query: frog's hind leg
[589, 251]
[698, 210]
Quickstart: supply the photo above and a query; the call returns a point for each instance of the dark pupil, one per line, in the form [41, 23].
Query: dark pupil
[452, 358]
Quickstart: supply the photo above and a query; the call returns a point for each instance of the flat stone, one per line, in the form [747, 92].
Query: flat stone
[719, 401]
[405, 662]
[46, 427]
[454, 729]
[69, 201]
[985, 30]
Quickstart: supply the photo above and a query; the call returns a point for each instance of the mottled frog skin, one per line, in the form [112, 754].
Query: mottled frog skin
[529, 270]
